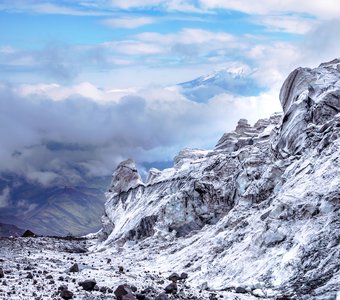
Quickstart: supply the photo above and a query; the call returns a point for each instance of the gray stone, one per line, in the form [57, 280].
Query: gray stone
[74, 268]
[88, 285]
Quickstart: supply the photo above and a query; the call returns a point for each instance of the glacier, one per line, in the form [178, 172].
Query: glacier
[258, 212]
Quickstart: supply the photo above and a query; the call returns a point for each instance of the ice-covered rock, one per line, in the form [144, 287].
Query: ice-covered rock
[260, 211]
[309, 97]
[125, 177]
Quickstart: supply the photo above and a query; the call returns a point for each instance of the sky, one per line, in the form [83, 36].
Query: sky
[86, 84]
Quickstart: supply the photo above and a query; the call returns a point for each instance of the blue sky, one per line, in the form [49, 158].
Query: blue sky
[98, 78]
[74, 41]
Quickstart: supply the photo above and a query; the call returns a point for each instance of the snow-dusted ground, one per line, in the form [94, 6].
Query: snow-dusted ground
[49, 261]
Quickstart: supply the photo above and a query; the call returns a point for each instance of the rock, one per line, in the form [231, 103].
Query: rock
[125, 177]
[2, 274]
[28, 233]
[29, 275]
[162, 296]
[123, 292]
[171, 288]
[153, 174]
[62, 287]
[144, 229]
[306, 100]
[240, 290]
[183, 230]
[74, 268]
[174, 277]
[204, 286]
[258, 293]
[184, 276]
[133, 288]
[213, 296]
[272, 238]
[49, 276]
[121, 269]
[66, 294]
[75, 249]
[88, 285]
[186, 155]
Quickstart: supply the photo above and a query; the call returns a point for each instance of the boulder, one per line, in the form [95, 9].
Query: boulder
[174, 277]
[162, 296]
[124, 292]
[171, 288]
[74, 268]
[28, 233]
[88, 285]
[66, 294]
[240, 290]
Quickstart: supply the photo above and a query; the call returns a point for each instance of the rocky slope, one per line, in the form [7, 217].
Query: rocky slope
[54, 210]
[260, 212]
[7, 230]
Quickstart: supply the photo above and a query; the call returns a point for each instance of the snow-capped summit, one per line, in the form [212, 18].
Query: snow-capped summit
[234, 80]
[260, 211]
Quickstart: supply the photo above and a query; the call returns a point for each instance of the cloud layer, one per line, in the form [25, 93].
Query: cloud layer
[49, 140]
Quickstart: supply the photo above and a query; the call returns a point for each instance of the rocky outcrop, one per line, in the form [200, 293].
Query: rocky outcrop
[202, 187]
[264, 202]
[309, 98]
[125, 177]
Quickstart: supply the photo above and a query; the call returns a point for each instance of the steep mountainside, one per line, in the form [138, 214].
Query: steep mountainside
[7, 230]
[55, 210]
[260, 211]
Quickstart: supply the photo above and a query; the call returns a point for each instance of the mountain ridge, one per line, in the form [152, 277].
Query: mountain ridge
[259, 211]
[236, 80]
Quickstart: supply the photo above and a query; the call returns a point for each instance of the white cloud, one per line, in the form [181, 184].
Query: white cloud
[128, 22]
[49, 7]
[171, 5]
[131, 47]
[59, 92]
[274, 62]
[290, 24]
[187, 36]
[135, 3]
[324, 9]
[45, 178]
[48, 141]
[7, 50]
